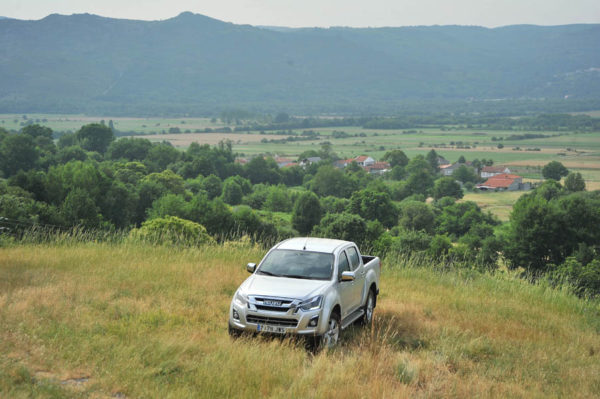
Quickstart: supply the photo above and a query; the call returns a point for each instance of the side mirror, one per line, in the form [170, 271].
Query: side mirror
[348, 276]
[251, 267]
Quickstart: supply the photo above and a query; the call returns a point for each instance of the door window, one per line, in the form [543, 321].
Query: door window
[343, 265]
[353, 255]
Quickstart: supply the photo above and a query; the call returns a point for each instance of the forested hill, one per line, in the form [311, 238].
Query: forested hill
[195, 64]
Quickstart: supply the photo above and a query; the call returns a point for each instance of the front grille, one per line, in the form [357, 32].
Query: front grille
[272, 308]
[273, 321]
[271, 304]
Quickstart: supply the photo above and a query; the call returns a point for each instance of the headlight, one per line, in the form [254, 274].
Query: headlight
[240, 299]
[311, 304]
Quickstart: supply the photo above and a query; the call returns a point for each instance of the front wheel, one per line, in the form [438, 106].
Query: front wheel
[367, 319]
[233, 332]
[334, 331]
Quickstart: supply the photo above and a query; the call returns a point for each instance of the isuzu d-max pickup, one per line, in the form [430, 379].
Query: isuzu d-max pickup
[312, 287]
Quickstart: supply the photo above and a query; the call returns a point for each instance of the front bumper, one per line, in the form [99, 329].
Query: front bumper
[291, 321]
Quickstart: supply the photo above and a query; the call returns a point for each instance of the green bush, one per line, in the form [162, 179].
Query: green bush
[172, 230]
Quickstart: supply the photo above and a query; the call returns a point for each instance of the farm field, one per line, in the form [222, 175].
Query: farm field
[129, 320]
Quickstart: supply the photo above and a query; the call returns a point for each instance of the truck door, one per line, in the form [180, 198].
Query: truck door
[359, 282]
[346, 288]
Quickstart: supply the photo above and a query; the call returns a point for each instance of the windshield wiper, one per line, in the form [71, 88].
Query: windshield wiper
[269, 273]
[297, 276]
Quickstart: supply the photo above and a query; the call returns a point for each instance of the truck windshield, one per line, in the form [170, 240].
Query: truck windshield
[297, 264]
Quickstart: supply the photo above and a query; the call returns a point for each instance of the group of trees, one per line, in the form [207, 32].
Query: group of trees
[90, 179]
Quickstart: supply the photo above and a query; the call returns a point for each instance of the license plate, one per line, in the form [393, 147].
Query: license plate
[270, 329]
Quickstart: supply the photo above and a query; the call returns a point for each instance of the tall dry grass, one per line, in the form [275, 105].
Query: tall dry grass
[119, 318]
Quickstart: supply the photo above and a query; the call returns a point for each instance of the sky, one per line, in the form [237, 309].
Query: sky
[325, 13]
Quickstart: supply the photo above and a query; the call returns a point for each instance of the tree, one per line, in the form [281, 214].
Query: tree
[457, 219]
[80, 209]
[119, 204]
[213, 186]
[432, 159]
[131, 149]
[307, 213]
[67, 140]
[574, 182]
[465, 174]
[169, 180]
[161, 155]
[462, 159]
[554, 170]
[420, 176]
[343, 226]
[396, 157]
[447, 187]
[72, 153]
[95, 137]
[37, 131]
[232, 192]
[260, 170]
[373, 205]
[332, 181]
[547, 231]
[18, 152]
[169, 205]
[418, 216]
[278, 199]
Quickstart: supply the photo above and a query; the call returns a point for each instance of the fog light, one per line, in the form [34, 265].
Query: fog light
[314, 321]
[236, 315]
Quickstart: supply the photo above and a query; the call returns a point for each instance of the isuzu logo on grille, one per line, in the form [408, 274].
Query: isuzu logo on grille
[272, 303]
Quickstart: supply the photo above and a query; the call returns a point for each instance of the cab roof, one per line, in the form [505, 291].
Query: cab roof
[326, 245]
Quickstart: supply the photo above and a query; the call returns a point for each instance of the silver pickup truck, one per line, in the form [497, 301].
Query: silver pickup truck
[313, 287]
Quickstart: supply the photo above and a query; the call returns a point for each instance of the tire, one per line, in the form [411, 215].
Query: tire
[367, 319]
[233, 332]
[332, 336]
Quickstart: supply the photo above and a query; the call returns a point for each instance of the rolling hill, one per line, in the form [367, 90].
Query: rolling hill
[197, 65]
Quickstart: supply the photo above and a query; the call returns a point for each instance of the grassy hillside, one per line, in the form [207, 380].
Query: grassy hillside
[127, 320]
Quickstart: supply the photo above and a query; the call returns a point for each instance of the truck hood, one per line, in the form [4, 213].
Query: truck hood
[283, 287]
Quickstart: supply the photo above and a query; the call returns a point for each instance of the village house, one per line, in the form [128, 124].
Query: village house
[448, 169]
[362, 160]
[309, 161]
[504, 182]
[281, 162]
[442, 161]
[489, 171]
[378, 168]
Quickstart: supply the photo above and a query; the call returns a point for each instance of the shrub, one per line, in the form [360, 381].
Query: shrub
[173, 230]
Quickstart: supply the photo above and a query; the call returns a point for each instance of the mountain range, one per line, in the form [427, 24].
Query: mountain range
[193, 64]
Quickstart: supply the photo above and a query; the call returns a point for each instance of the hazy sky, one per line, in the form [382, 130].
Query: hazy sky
[327, 12]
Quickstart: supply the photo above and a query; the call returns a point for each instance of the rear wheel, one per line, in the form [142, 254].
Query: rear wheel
[367, 319]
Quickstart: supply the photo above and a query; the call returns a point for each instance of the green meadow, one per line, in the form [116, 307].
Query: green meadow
[128, 320]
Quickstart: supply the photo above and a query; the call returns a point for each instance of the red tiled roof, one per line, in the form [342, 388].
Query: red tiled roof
[493, 169]
[380, 165]
[361, 158]
[506, 176]
[503, 180]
